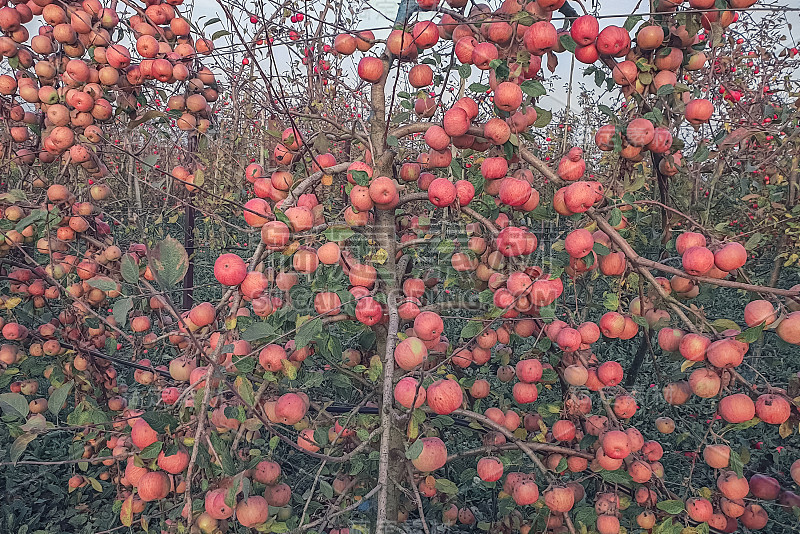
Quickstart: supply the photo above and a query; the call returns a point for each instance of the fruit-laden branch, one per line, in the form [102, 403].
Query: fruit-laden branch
[343, 511]
[483, 220]
[413, 197]
[469, 211]
[644, 262]
[543, 447]
[201, 420]
[632, 256]
[332, 459]
[522, 445]
[637, 260]
[69, 462]
[387, 385]
[540, 166]
[83, 306]
[295, 192]
[422, 127]
[347, 133]
[417, 499]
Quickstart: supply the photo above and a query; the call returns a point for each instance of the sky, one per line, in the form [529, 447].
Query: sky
[612, 12]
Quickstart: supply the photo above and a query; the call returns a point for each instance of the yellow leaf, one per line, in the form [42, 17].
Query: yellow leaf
[413, 429]
[126, 512]
[685, 365]
[12, 302]
[380, 256]
[520, 433]
[230, 323]
[289, 369]
[706, 492]
[301, 320]
[327, 179]
[289, 250]
[786, 429]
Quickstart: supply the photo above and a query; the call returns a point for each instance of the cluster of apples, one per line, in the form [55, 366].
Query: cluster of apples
[155, 479]
[74, 77]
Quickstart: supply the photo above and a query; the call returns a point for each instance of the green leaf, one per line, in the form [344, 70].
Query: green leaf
[619, 476]
[465, 71]
[13, 196]
[665, 90]
[446, 486]
[599, 78]
[307, 332]
[672, 507]
[321, 436]
[102, 283]
[245, 389]
[533, 88]
[562, 463]
[615, 218]
[601, 250]
[549, 375]
[169, 262]
[701, 154]
[631, 22]
[414, 450]
[391, 141]
[14, 404]
[152, 450]
[667, 527]
[361, 177]
[259, 330]
[34, 216]
[737, 465]
[147, 116]
[586, 515]
[121, 309]
[724, 324]
[478, 87]
[471, 329]
[129, 267]
[338, 233]
[752, 334]
[655, 116]
[753, 242]
[223, 449]
[611, 301]
[58, 398]
[607, 111]
[548, 312]
[568, 42]
[20, 444]
[160, 421]
[543, 117]
[219, 33]
[446, 247]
